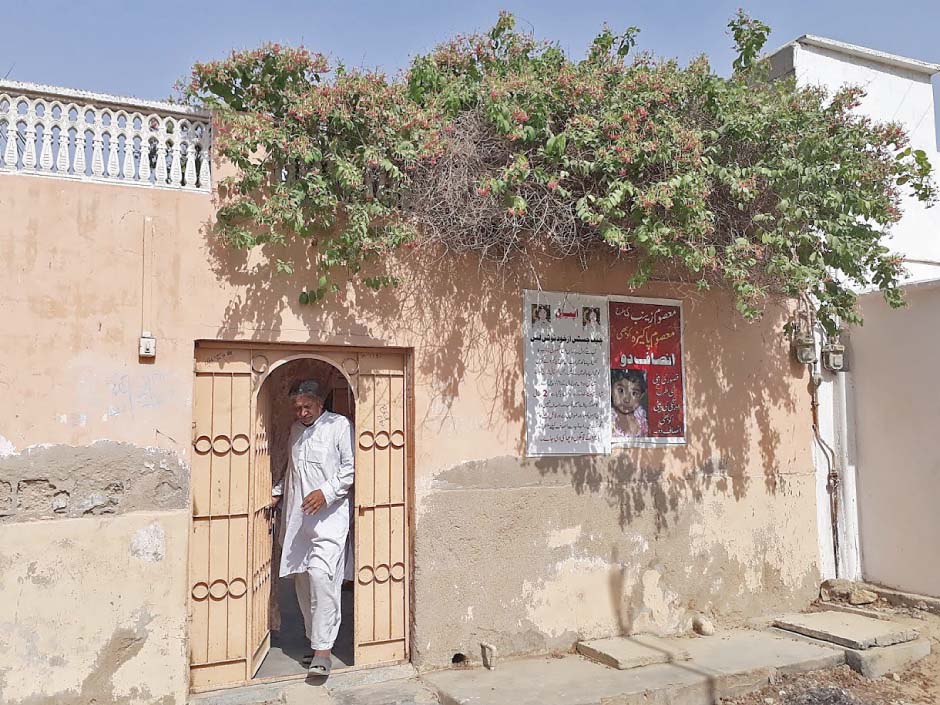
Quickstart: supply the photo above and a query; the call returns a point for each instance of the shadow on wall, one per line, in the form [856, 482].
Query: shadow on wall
[460, 318]
[464, 321]
[741, 410]
[746, 424]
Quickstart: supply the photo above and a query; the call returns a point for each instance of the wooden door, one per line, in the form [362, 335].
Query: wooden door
[219, 546]
[381, 532]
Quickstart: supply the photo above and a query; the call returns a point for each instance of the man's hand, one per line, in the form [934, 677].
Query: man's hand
[313, 502]
[275, 500]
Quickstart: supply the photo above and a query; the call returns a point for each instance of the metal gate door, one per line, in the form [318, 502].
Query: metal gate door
[219, 549]
[231, 545]
[262, 535]
[381, 519]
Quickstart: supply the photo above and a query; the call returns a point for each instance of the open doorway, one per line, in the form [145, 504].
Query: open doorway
[290, 650]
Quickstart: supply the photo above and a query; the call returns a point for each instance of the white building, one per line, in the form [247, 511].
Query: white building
[881, 416]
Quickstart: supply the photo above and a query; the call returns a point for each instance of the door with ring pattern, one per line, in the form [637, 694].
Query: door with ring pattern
[232, 531]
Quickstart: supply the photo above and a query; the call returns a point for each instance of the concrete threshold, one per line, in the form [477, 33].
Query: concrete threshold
[383, 685]
[725, 665]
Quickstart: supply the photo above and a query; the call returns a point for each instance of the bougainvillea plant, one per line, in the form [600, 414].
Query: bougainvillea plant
[501, 144]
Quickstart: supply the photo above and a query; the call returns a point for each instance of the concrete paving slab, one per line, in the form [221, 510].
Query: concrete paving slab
[624, 652]
[881, 660]
[742, 661]
[410, 692]
[851, 630]
[744, 650]
[570, 680]
[720, 666]
[876, 661]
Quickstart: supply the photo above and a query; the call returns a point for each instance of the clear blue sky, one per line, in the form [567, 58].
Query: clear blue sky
[141, 48]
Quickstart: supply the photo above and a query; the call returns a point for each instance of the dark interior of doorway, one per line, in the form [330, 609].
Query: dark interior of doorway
[289, 643]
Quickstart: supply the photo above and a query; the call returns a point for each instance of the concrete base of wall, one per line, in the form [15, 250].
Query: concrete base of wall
[94, 610]
[533, 556]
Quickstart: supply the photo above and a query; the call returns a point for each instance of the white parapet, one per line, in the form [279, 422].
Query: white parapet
[70, 134]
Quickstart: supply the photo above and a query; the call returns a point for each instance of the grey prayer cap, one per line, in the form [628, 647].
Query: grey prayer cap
[306, 388]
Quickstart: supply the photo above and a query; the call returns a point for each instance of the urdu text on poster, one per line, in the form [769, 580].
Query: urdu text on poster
[566, 347]
[647, 383]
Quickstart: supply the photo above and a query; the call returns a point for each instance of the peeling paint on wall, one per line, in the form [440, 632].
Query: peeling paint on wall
[596, 548]
[6, 447]
[149, 543]
[562, 538]
[98, 686]
[96, 613]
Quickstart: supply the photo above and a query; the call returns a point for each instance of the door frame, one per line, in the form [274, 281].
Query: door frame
[288, 352]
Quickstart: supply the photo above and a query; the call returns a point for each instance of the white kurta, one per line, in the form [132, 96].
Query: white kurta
[321, 458]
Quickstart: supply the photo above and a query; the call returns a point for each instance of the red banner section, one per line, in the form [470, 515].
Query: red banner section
[646, 381]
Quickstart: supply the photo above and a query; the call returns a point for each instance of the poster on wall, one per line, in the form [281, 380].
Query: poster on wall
[567, 380]
[647, 383]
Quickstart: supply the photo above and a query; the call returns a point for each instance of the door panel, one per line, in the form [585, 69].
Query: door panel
[381, 529]
[262, 534]
[219, 557]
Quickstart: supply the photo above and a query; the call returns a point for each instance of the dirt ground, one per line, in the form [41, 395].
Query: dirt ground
[918, 685]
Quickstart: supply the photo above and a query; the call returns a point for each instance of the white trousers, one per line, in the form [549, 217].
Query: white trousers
[320, 599]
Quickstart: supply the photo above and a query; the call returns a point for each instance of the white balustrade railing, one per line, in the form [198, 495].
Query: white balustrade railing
[72, 134]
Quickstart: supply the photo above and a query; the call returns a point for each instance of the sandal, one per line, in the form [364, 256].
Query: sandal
[320, 666]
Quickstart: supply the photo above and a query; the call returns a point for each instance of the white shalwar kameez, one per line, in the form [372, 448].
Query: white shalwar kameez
[314, 545]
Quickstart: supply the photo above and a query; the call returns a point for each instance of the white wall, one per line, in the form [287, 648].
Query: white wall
[881, 416]
[893, 95]
[897, 417]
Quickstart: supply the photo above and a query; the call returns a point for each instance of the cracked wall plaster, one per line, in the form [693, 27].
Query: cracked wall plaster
[541, 553]
[45, 482]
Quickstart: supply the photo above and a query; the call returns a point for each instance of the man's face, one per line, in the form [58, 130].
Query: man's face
[625, 396]
[307, 409]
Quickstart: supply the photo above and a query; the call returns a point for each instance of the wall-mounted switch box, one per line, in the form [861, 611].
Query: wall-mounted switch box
[148, 345]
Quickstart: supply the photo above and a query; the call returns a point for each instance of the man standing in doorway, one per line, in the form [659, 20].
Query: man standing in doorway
[316, 516]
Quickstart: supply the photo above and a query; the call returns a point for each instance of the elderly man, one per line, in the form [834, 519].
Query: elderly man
[316, 516]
